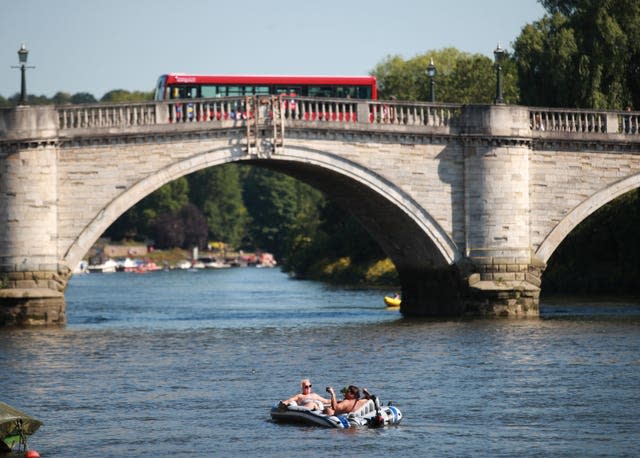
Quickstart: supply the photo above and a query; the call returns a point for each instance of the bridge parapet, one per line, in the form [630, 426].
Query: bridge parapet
[107, 115]
[598, 123]
[220, 110]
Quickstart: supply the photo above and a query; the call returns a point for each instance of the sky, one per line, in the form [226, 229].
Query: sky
[96, 46]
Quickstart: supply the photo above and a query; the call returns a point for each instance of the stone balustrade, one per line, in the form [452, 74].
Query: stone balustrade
[388, 113]
[106, 115]
[584, 121]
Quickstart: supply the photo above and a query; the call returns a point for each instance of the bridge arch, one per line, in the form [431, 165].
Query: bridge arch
[407, 233]
[581, 212]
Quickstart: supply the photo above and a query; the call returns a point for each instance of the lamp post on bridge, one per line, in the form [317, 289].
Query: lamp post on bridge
[431, 73]
[23, 53]
[498, 55]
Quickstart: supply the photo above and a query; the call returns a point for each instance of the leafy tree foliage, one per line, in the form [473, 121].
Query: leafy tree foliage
[83, 97]
[137, 221]
[584, 53]
[196, 231]
[121, 95]
[275, 202]
[59, 98]
[167, 230]
[218, 193]
[185, 228]
[461, 77]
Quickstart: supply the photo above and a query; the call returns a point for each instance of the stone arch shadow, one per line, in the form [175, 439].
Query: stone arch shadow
[581, 212]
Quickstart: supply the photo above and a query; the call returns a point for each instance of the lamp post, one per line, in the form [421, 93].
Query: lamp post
[431, 73]
[498, 55]
[23, 52]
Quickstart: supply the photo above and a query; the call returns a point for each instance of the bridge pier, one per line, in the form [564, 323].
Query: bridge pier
[498, 276]
[32, 280]
[497, 149]
[453, 292]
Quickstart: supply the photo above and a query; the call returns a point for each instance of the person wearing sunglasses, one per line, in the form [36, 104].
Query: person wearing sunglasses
[350, 403]
[306, 398]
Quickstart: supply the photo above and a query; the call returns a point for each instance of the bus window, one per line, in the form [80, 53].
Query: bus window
[364, 92]
[287, 90]
[160, 88]
[234, 91]
[347, 92]
[209, 91]
[320, 91]
[262, 90]
[184, 92]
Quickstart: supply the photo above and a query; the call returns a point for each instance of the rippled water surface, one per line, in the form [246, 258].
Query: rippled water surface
[189, 363]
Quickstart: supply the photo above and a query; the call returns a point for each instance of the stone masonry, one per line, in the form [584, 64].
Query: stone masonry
[468, 201]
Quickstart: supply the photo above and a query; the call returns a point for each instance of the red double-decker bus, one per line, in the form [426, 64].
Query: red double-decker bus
[183, 86]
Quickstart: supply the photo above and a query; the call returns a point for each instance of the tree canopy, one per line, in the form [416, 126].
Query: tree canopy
[584, 53]
[461, 77]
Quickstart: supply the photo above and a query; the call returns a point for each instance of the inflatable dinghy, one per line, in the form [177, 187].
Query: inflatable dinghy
[370, 415]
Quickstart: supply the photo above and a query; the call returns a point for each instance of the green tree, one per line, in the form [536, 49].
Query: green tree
[584, 53]
[121, 95]
[461, 77]
[217, 191]
[278, 205]
[136, 222]
[61, 98]
[83, 97]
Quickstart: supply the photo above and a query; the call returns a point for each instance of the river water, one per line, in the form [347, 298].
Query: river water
[180, 363]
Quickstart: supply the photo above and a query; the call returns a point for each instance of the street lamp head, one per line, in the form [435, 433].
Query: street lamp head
[498, 54]
[431, 69]
[23, 52]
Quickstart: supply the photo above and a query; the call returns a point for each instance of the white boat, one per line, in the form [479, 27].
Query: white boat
[213, 263]
[127, 265]
[107, 267]
[370, 415]
[184, 265]
[81, 268]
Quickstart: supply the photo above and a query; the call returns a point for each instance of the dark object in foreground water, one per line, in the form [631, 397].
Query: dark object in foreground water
[15, 426]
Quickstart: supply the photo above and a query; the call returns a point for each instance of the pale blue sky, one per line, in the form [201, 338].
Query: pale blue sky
[95, 46]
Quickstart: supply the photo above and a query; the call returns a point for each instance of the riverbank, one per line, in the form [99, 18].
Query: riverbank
[345, 271]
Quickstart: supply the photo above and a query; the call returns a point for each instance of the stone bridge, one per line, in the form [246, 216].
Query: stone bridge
[469, 201]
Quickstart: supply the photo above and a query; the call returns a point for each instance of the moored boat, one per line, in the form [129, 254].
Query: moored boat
[15, 426]
[370, 415]
[392, 301]
[108, 266]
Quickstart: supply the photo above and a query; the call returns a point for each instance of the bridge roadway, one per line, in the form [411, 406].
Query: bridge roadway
[469, 201]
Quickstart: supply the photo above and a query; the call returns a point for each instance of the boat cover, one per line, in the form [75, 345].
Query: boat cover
[13, 422]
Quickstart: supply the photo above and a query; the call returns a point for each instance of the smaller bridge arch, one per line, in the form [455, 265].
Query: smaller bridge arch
[582, 212]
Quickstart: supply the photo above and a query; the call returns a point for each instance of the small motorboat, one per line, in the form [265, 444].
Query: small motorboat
[393, 301]
[370, 415]
[15, 426]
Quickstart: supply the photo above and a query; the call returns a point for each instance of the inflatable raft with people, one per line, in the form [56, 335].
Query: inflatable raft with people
[371, 415]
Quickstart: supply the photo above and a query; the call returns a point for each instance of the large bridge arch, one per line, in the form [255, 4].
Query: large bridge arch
[124, 201]
[406, 231]
[581, 212]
